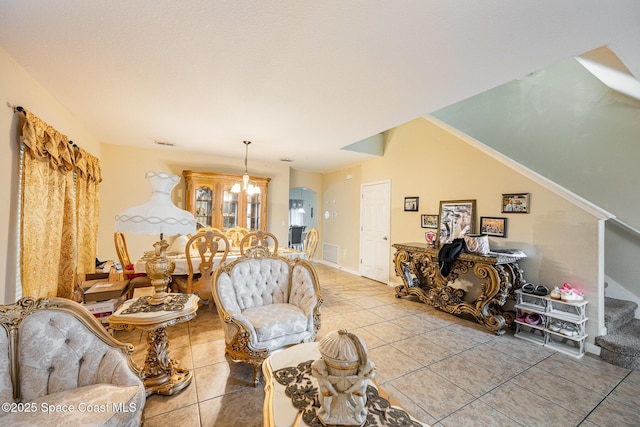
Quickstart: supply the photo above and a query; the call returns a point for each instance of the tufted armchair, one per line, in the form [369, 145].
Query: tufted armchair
[266, 302]
[58, 366]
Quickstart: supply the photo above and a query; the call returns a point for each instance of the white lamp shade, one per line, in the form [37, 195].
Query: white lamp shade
[159, 215]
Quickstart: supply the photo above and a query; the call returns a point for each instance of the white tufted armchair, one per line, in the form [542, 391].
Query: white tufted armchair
[59, 366]
[266, 302]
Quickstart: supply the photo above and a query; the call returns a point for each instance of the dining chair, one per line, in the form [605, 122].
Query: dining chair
[296, 236]
[310, 243]
[204, 230]
[235, 234]
[136, 280]
[261, 242]
[208, 246]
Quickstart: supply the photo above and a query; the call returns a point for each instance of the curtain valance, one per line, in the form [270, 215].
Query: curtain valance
[88, 165]
[44, 142]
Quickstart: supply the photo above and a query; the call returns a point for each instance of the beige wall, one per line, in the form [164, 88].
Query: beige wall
[340, 214]
[18, 88]
[421, 159]
[124, 185]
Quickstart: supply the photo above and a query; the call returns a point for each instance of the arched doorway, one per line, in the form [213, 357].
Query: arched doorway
[303, 211]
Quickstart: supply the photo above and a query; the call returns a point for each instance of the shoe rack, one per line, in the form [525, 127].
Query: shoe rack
[563, 326]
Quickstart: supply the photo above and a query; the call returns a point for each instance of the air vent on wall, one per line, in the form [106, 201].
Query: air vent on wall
[168, 144]
[330, 252]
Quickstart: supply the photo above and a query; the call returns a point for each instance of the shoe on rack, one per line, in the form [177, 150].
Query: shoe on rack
[566, 287]
[540, 290]
[556, 294]
[555, 326]
[572, 295]
[569, 330]
[528, 288]
[534, 319]
[522, 317]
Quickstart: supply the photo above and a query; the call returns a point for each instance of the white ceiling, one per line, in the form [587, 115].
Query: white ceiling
[300, 79]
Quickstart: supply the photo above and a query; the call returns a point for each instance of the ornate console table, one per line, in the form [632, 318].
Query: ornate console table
[417, 264]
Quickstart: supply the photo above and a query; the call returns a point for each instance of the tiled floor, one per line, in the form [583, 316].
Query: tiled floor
[446, 371]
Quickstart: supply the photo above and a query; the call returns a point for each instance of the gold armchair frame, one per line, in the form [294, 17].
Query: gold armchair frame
[238, 346]
[12, 315]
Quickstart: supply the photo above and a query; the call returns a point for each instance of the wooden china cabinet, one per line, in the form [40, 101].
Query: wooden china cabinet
[210, 200]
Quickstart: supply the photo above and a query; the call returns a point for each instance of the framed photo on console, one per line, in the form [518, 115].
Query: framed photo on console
[411, 204]
[457, 218]
[429, 221]
[515, 203]
[493, 226]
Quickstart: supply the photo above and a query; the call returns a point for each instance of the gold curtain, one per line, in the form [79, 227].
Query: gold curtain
[88, 178]
[50, 231]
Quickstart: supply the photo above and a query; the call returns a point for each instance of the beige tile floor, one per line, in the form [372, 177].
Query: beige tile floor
[445, 370]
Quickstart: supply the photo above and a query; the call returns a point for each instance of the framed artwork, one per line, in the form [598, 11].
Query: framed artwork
[429, 221]
[515, 203]
[457, 219]
[411, 204]
[493, 226]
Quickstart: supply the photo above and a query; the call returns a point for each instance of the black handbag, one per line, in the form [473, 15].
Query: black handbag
[448, 255]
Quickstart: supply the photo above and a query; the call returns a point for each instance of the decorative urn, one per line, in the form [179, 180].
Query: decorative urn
[343, 373]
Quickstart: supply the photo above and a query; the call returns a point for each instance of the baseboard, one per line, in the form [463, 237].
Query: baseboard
[592, 348]
[338, 266]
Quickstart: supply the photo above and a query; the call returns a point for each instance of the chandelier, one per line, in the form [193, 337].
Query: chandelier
[246, 184]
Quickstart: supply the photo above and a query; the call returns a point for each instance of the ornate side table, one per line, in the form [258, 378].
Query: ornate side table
[161, 375]
[499, 273]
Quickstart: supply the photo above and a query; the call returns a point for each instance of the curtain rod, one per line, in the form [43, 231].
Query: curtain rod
[22, 110]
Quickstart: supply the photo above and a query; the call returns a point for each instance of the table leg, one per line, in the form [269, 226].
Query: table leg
[161, 374]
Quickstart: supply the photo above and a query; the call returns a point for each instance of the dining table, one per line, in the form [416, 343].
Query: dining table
[182, 268]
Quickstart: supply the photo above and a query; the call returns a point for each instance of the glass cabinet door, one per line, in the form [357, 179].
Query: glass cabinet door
[209, 198]
[229, 210]
[204, 205]
[253, 211]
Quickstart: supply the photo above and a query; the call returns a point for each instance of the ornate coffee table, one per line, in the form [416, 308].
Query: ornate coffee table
[279, 410]
[161, 375]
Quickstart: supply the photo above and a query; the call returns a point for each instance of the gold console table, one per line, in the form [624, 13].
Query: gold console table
[417, 265]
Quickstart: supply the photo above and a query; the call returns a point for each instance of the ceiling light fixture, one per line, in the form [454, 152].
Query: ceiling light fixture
[245, 184]
[301, 208]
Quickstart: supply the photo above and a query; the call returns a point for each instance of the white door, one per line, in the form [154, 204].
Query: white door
[375, 226]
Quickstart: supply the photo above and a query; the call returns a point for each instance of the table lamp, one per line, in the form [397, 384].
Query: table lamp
[158, 216]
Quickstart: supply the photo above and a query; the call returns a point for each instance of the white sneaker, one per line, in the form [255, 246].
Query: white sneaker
[569, 330]
[571, 296]
[555, 326]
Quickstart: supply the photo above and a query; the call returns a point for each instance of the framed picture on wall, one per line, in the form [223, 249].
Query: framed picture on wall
[515, 203]
[493, 226]
[457, 219]
[411, 204]
[429, 221]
